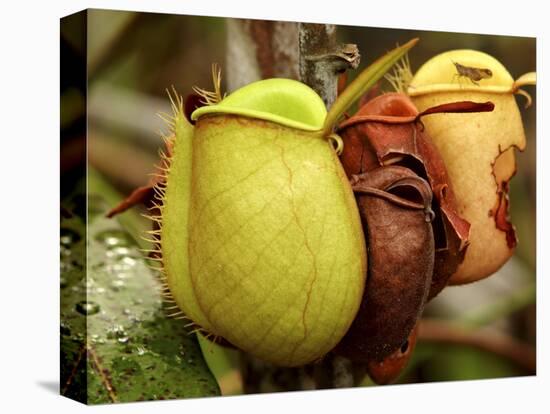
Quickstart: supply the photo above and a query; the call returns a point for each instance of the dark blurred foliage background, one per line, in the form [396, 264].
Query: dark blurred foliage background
[132, 59]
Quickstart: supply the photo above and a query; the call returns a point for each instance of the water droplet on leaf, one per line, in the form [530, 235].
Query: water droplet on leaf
[123, 339]
[117, 332]
[112, 238]
[117, 251]
[87, 308]
[68, 237]
[63, 282]
[117, 284]
[65, 252]
[127, 261]
[65, 330]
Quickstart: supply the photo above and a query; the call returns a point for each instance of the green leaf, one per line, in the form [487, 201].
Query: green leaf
[117, 344]
[459, 363]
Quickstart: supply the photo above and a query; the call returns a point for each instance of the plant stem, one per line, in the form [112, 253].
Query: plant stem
[322, 59]
[521, 354]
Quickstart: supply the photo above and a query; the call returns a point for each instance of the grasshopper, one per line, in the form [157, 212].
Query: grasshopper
[474, 74]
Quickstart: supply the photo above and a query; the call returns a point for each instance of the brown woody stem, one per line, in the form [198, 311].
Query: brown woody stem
[521, 354]
[322, 59]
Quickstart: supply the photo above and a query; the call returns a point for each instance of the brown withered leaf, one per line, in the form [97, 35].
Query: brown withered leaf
[141, 195]
[395, 208]
[145, 194]
[387, 131]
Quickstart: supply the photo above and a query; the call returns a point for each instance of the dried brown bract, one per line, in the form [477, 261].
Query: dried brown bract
[395, 207]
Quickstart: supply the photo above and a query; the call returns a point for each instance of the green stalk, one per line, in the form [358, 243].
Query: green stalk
[366, 79]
